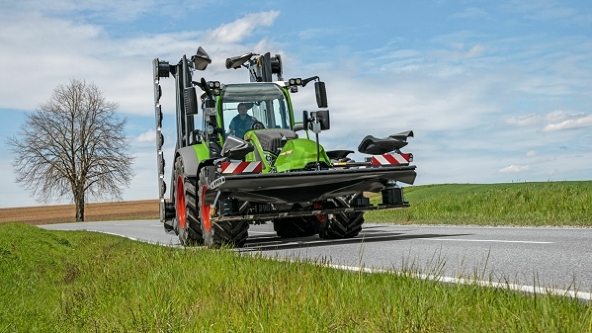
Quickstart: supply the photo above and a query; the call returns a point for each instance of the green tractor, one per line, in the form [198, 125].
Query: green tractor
[248, 160]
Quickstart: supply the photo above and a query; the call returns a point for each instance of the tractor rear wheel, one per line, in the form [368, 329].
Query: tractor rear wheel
[187, 223]
[342, 225]
[216, 234]
[295, 227]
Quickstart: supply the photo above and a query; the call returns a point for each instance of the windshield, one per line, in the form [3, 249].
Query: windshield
[245, 104]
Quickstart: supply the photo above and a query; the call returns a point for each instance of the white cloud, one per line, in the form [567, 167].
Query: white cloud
[579, 122]
[475, 51]
[532, 153]
[556, 120]
[238, 30]
[52, 51]
[148, 136]
[471, 12]
[514, 169]
[524, 120]
[557, 116]
[311, 34]
[542, 10]
[398, 54]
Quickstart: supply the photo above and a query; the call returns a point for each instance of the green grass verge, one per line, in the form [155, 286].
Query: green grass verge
[52, 281]
[550, 203]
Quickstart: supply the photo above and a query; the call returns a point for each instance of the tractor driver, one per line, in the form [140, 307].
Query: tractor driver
[242, 122]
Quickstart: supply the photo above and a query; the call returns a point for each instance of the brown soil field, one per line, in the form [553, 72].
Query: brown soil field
[121, 210]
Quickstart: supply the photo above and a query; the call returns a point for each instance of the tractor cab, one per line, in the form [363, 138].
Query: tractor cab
[253, 106]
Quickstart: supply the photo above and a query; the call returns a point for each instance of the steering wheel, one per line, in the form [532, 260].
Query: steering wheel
[257, 125]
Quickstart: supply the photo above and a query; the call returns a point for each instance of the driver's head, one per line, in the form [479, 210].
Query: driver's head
[242, 108]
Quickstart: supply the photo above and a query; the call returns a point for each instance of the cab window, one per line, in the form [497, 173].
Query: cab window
[264, 101]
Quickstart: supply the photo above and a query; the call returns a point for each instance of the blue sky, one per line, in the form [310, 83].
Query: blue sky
[495, 91]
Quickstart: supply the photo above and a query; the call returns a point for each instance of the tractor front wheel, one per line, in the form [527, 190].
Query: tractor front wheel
[342, 225]
[187, 224]
[233, 233]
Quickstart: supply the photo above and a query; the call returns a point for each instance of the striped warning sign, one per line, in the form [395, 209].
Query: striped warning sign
[241, 167]
[392, 159]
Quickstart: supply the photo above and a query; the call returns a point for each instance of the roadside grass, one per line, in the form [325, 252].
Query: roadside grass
[57, 281]
[520, 204]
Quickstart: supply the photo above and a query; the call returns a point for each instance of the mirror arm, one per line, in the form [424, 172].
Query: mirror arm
[306, 81]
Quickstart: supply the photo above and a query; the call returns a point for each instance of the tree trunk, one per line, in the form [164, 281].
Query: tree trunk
[79, 203]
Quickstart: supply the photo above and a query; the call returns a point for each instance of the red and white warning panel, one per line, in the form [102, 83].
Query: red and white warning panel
[241, 167]
[392, 159]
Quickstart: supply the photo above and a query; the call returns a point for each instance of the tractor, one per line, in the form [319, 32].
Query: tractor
[248, 160]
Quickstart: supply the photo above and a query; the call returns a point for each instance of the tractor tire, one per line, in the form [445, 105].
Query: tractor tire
[295, 227]
[342, 225]
[187, 224]
[233, 233]
[168, 227]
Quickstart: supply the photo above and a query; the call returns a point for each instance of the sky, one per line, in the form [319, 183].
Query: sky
[495, 91]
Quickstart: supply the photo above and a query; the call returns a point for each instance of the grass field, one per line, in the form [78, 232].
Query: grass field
[55, 281]
[533, 204]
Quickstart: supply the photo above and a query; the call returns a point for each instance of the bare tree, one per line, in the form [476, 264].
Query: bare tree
[73, 146]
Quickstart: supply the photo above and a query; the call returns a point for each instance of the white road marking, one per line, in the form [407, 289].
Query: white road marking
[114, 234]
[485, 240]
[501, 285]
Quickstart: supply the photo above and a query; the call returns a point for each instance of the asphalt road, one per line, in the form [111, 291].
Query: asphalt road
[549, 258]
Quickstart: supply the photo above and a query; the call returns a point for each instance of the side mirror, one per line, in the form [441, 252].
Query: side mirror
[323, 119]
[321, 94]
[190, 101]
[210, 104]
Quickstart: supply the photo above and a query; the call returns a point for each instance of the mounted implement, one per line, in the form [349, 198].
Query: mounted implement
[248, 160]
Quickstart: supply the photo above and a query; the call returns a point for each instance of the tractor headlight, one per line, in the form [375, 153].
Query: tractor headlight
[214, 84]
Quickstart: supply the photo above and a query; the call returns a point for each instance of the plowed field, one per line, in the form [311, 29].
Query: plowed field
[123, 210]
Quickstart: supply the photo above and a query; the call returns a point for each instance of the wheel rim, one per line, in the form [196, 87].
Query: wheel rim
[320, 217]
[181, 209]
[205, 210]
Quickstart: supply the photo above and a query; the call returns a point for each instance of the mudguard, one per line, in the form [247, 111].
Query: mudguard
[191, 156]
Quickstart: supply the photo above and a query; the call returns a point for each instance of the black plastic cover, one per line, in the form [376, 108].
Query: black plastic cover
[377, 146]
[236, 148]
[337, 154]
[273, 140]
